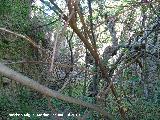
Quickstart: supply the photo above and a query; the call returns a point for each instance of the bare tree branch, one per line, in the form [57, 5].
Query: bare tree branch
[24, 37]
[11, 74]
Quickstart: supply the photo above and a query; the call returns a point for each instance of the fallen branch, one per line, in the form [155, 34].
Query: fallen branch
[11, 74]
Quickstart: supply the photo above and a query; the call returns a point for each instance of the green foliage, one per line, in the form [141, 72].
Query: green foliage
[25, 102]
[15, 14]
[5, 7]
[144, 110]
[135, 78]
[7, 106]
[66, 108]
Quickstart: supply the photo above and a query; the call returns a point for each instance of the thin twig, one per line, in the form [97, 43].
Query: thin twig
[24, 37]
